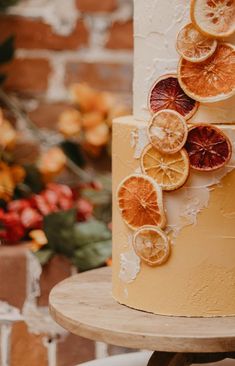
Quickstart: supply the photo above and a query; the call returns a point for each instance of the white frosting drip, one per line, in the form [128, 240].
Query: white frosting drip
[157, 24]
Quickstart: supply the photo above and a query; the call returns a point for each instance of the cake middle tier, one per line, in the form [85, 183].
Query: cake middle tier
[199, 277]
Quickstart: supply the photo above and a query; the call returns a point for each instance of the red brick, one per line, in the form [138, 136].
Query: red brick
[27, 349]
[104, 76]
[96, 5]
[53, 272]
[34, 34]
[13, 275]
[121, 36]
[46, 115]
[74, 350]
[27, 76]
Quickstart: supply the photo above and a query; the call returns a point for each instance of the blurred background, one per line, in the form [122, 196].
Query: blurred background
[65, 73]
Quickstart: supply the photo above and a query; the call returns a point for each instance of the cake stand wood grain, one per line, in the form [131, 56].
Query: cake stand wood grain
[83, 305]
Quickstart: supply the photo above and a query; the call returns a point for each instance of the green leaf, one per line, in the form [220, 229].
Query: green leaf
[73, 152]
[44, 256]
[33, 179]
[92, 255]
[59, 230]
[90, 232]
[7, 50]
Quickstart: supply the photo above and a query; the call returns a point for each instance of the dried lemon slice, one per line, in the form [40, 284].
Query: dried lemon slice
[151, 244]
[211, 80]
[168, 131]
[215, 18]
[193, 45]
[140, 201]
[169, 171]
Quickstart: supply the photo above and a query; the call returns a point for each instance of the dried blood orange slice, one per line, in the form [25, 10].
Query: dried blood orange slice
[211, 80]
[208, 147]
[215, 18]
[151, 244]
[168, 94]
[193, 45]
[168, 131]
[169, 171]
[140, 201]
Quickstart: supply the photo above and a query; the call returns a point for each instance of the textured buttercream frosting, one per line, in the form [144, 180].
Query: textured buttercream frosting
[199, 277]
[157, 23]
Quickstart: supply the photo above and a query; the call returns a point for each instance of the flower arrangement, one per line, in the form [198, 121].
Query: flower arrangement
[70, 219]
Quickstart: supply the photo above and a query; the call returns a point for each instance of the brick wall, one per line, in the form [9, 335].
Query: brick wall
[60, 42]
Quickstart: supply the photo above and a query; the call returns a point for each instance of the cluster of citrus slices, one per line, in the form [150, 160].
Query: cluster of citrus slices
[207, 66]
[206, 73]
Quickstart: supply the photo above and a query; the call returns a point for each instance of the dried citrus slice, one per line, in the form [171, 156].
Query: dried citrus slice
[168, 131]
[215, 18]
[169, 171]
[193, 45]
[140, 202]
[211, 80]
[168, 94]
[208, 147]
[151, 244]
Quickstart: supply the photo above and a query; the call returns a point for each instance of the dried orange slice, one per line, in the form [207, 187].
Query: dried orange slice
[211, 80]
[215, 18]
[151, 244]
[169, 171]
[168, 94]
[140, 202]
[208, 148]
[168, 131]
[193, 45]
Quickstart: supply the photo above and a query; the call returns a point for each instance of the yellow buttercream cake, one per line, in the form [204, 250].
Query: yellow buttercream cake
[186, 267]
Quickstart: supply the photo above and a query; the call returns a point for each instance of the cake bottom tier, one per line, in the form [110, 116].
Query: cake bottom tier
[198, 280]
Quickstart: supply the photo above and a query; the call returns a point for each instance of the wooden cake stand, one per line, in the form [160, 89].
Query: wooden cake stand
[83, 305]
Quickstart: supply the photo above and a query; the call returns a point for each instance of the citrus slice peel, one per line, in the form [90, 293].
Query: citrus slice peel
[167, 93]
[193, 46]
[208, 147]
[168, 131]
[140, 202]
[170, 171]
[212, 80]
[151, 245]
[214, 18]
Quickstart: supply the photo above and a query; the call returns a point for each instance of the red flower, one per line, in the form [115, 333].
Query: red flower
[18, 205]
[84, 209]
[12, 230]
[31, 219]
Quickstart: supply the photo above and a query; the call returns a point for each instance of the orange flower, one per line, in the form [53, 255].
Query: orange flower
[70, 122]
[83, 96]
[104, 102]
[39, 239]
[109, 262]
[51, 163]
[18, 173]
[9, 178]
[7, 133]
[92, 119]
[98, 136]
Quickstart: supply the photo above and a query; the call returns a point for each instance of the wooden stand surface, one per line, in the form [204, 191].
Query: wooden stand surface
[83, 305]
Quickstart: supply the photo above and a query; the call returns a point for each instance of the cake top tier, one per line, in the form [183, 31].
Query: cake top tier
[157, 24]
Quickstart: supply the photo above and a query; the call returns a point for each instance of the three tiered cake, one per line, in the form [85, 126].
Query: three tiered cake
[173, 163]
